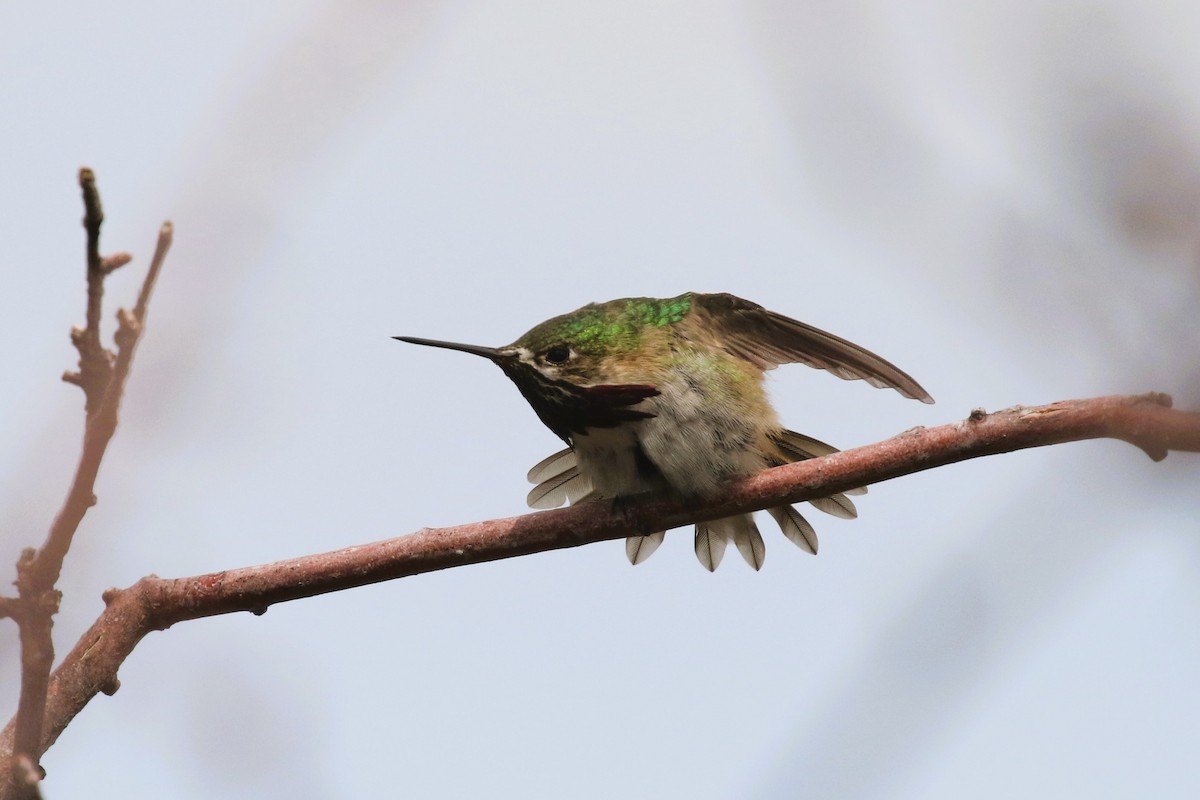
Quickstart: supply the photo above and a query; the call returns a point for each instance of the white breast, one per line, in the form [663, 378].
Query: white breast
[698, 444]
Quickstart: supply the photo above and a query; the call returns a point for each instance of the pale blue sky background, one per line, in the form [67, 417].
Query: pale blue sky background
[1002, 198]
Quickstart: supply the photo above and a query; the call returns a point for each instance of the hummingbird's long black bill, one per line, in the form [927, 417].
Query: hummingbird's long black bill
[487, 352]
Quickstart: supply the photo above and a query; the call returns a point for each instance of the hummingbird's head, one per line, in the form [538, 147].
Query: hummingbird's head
[586, 368]
[598, 343]
[528, 361]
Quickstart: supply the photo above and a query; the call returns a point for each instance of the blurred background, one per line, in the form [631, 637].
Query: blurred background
[1001, 197]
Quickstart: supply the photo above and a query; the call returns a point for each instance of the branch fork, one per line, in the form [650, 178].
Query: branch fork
[102, 374]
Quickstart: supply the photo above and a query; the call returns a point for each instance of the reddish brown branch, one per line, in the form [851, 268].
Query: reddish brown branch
[95, 361]
[102, 377]
[10, 607]
[153, 603]
[166, 234]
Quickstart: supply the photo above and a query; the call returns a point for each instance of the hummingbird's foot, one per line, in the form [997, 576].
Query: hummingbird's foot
[625, 506]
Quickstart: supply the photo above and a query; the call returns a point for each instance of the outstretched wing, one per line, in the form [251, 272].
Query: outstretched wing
[767, 339]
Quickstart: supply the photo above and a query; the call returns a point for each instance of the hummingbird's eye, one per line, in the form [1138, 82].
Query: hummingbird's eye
[558, 354]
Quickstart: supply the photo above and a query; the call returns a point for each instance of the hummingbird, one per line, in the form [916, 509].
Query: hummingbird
[667, 395]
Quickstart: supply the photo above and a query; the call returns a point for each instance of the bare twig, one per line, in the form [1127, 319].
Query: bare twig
[166, 235]
[95, 361]
[114, 262]
[153, 603]
[102, 376]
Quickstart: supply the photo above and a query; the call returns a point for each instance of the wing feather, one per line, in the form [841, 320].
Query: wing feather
[762, 337]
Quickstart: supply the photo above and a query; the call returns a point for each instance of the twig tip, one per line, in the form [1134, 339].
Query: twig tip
[93, 212]
[112, 263]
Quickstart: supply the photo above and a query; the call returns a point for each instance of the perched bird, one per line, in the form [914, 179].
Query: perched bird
[658, 395]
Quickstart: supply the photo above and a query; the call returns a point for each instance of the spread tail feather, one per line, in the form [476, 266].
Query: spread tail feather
[795, 527]
[555, 491]
[710, 545]
[639, 548]
[558, 481]
[552, 466]
[713, 537]
[748, 540]
[798, 447]
[838, 505]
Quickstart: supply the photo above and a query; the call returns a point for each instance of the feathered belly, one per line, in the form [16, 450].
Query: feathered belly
[697, 449]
